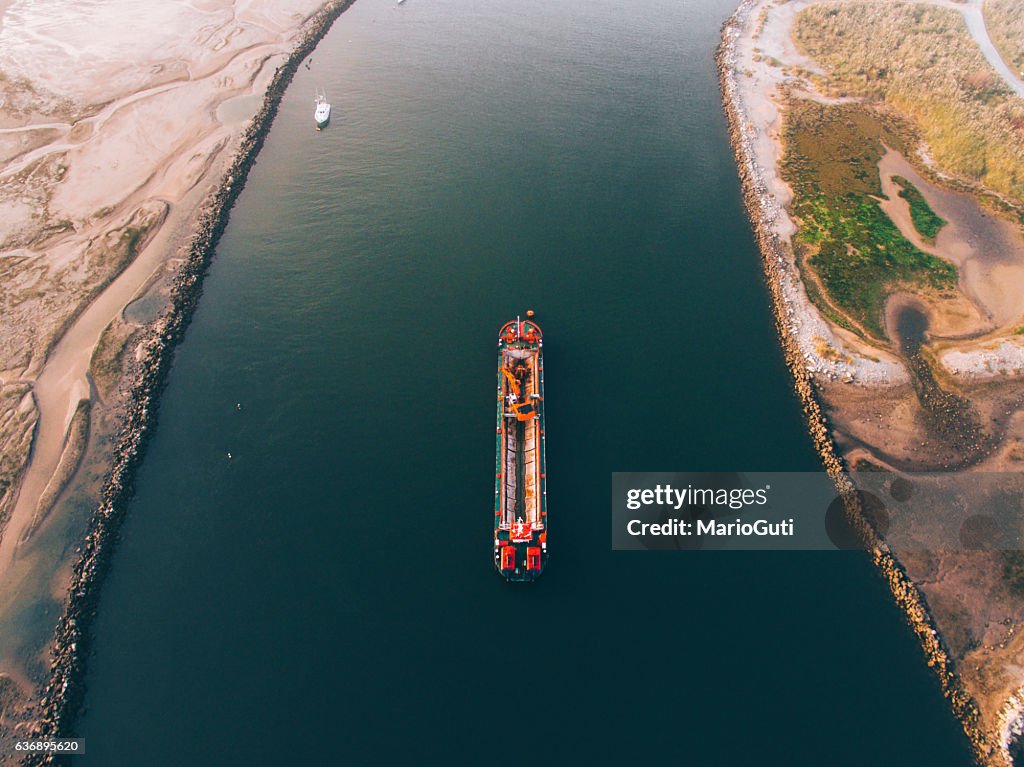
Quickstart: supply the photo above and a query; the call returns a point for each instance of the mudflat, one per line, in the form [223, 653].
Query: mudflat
[118, 121]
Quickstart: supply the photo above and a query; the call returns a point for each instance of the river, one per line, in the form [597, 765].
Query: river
[305, 573]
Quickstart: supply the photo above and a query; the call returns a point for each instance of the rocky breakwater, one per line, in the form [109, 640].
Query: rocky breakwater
[64, 693]
[797, 323]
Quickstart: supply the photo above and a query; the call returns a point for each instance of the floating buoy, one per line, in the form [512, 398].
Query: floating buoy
[529, 312]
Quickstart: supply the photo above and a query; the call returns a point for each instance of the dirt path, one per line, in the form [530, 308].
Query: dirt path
[972, 12]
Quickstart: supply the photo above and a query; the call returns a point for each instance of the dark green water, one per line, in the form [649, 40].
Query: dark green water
[327, 595]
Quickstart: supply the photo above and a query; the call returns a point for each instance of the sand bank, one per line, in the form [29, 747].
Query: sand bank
[111, 143]
[119, 168]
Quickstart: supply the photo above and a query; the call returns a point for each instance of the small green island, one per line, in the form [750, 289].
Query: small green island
[927, 223]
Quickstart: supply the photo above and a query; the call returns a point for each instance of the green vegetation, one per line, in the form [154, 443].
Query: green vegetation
[848, 242]
[922, 61]
[926, 221]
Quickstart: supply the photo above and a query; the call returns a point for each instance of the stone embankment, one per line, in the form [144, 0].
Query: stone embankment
[823, 352]
[62, 697]
[763, 210]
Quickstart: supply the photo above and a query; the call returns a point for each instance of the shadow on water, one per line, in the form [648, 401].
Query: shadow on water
[1017, 750]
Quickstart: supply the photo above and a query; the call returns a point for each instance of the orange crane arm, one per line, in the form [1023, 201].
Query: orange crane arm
[511, 381]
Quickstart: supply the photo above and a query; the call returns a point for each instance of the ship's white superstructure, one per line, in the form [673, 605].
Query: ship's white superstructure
[322, 113]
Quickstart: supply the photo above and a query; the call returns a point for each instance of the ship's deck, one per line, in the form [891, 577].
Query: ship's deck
[520, 519]
[521, 460]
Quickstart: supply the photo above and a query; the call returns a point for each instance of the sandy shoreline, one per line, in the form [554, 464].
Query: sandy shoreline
[209, 181]
[749, 109]
[93, 208]
[64, 692]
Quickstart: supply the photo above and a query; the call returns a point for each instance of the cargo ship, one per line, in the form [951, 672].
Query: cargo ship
[520, 483]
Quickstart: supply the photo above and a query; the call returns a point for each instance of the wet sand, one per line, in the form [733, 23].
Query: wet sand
[987, 250]
[141, 137]
[62, 697]
[133, 124]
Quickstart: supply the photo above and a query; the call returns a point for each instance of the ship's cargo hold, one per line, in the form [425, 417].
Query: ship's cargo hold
[520, 485]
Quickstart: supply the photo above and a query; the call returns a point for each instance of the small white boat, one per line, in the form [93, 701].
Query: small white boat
[322, 113]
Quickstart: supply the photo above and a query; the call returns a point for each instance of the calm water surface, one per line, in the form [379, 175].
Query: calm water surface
[327, 595]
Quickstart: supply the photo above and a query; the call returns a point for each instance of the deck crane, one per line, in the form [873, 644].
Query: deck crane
[523, 411]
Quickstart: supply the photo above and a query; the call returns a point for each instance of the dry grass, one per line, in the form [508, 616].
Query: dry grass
[1005, 22]
[826, 351]
[922, 61]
